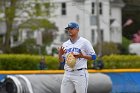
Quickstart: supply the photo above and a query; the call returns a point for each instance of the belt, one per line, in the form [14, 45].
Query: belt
[77, 69]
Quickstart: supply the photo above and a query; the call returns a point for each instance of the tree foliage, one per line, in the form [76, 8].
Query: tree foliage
[21, 14]
[109, 48]
[131, 11]
[37, 23]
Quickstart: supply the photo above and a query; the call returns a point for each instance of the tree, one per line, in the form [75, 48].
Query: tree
[9, 11]
[131, 11]
[24, 14]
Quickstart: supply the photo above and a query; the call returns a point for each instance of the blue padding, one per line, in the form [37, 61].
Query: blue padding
[93, 57]
[125, 82]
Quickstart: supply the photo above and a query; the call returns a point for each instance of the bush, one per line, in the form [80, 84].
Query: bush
[25, 62]
[121, 61]
[108, 48]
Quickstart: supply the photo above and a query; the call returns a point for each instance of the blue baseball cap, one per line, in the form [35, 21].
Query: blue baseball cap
[72, 25]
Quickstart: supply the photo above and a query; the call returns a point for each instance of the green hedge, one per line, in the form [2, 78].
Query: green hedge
[30, 62]
[121, 61]
[25, 62]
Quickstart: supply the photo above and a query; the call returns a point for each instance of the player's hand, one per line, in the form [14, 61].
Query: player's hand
[80, 55]
[61, 50]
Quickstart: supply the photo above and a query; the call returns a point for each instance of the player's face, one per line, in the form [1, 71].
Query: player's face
[72, 31]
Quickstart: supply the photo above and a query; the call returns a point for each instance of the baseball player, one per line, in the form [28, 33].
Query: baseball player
[76, 51]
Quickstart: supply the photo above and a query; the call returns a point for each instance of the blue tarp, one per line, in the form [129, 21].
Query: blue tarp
[2, 77]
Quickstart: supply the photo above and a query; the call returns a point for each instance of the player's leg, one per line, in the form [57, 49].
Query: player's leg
[81, 83]
[67, 86]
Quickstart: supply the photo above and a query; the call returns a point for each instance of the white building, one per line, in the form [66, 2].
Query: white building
[85, 13]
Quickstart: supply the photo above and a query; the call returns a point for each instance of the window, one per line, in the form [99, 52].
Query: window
[93, 20]
[100, 8]
[92, 8]
[93, 35]
[77, 18]
[29, 34]
[102, 35]
[63, 8]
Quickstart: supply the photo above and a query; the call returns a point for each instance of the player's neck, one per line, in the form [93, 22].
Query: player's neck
[74, 39]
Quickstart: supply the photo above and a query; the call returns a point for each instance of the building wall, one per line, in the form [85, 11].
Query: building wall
[117, 15]
[81, 13]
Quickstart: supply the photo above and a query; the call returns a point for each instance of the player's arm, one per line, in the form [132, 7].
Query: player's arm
[61, 59]
[90, 53]
[61, 51]
[88, 57]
